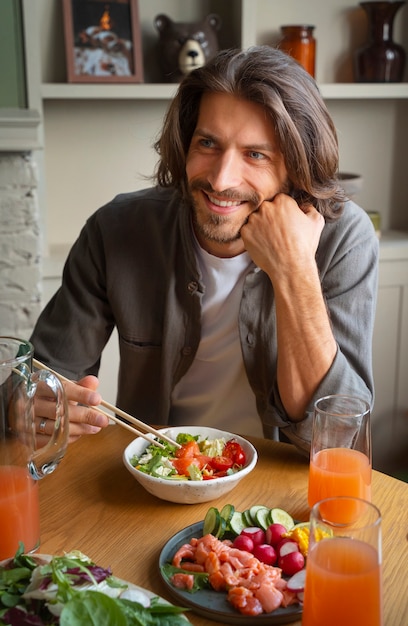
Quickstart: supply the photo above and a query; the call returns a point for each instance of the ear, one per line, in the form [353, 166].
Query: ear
[214, 21]
[162, 22]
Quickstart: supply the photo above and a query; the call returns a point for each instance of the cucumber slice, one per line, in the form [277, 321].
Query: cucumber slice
[227, 512]
[238, 523]
[254, 510]
[221, 528]
[279, 516]
[212, 522]
[262, 518]
[247, 517]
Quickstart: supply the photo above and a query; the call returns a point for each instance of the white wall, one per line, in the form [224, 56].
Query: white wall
[99, 150]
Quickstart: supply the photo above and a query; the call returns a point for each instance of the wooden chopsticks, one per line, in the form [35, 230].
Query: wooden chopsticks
[133, 420]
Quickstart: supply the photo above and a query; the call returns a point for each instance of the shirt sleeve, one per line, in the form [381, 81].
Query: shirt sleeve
[76, 323]
[348, 264]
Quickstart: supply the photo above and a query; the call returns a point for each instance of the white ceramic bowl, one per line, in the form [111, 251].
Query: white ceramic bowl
[190, 491]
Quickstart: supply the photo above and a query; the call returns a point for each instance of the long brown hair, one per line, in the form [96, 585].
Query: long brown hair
[303, 126]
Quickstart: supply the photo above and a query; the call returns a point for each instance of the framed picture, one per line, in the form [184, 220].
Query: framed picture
[103, 41]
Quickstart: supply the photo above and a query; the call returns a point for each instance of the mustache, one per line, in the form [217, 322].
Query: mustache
[229, 194]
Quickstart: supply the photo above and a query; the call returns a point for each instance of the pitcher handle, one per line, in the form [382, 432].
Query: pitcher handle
[45, 460]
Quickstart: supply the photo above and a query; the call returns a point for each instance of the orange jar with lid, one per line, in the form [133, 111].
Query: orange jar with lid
[299, 43]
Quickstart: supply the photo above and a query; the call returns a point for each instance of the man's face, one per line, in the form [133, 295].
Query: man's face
[233, 165]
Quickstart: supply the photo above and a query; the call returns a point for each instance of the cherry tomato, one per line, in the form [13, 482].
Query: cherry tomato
[221, 463]
[235, 451]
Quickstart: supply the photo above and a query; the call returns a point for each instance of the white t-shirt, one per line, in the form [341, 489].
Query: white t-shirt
[215, 391]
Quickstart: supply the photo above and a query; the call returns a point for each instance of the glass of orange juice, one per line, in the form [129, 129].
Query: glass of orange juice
[340, 454]
[343, 570]
[22, 461]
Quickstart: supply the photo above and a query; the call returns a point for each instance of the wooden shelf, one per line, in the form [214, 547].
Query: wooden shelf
[145, 91]
[163, 91]
[364, 91]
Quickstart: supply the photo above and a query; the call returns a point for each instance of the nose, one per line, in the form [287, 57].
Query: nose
[225, 172]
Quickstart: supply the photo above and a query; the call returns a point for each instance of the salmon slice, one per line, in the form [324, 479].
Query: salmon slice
[183, 581]
[252, 586]
[185, 553]
[269, 597]
[244, 601]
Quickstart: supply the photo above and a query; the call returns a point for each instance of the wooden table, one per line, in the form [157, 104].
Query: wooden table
[93, 504]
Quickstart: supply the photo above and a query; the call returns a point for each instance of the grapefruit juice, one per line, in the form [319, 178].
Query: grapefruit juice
[339, 472]
[343, 584]
[19, 511]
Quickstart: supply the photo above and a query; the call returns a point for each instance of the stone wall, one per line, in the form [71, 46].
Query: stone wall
[20, 249]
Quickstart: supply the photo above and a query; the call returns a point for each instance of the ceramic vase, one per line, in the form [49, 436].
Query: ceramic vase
[381, 60]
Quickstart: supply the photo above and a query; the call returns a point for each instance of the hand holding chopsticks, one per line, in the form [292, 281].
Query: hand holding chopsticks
[131, 421]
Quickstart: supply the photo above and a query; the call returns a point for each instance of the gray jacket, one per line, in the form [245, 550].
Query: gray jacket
[133, 266]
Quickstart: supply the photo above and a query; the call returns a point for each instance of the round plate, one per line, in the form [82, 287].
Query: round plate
[145, 594]
[214, 604]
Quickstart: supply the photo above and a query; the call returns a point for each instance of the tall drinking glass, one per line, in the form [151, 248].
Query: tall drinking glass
[343, 572]
[340, 455]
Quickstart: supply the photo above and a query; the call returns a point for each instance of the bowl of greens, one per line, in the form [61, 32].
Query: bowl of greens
[207, 463]
[40, 589]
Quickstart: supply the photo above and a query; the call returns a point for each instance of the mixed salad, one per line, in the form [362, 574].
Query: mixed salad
[71, 590]
[195, 459]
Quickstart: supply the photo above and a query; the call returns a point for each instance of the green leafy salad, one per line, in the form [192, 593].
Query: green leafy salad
[195, 459]
[71, 590]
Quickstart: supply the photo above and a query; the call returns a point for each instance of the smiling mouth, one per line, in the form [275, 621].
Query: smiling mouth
[224, 203]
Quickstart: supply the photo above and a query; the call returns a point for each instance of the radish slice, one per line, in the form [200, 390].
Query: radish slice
[265, 553]
[257, 535]
[243, 542]
[297, 582]
[291, 563]
[274, 534]
[301, 596]
[286, 546]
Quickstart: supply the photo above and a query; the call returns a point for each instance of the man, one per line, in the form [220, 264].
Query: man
[243, 287]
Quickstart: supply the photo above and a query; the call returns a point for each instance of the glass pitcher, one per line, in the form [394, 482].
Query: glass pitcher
[22, 463]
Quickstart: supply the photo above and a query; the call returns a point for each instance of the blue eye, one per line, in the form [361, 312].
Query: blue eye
[256, 155]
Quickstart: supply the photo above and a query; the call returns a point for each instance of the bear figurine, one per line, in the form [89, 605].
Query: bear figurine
[184, 46]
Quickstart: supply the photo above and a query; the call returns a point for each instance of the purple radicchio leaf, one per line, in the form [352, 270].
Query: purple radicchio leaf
[99, 573]
[18, 617]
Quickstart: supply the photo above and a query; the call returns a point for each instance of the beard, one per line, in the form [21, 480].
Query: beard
[213, 226]
[217, 228]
